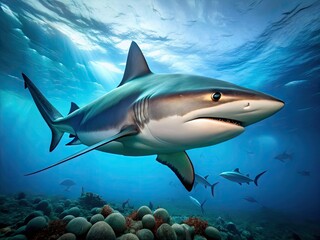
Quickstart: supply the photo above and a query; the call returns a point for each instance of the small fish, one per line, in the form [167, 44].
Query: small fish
[197, 203]
[151, 205]
[282, 157]
[125, 203]
[295, 83]
[250, 199]
[68, 183]
[203, 181]
[236, 176]
[304, 173]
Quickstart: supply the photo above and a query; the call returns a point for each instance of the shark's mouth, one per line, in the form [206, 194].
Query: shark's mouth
[226, 120]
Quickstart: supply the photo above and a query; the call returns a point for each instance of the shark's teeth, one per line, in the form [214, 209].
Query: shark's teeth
[231, 121]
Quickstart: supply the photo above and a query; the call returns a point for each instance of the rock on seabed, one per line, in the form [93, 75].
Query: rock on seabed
[101, 231]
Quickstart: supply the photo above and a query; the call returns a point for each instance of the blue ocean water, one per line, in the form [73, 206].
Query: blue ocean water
[76, 52]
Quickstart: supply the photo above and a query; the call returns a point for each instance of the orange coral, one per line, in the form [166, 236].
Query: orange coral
[131, 218]
[198, 224]
[133, 215]
[106, 210]
[55, 229]
[159, 222]
[128, 222]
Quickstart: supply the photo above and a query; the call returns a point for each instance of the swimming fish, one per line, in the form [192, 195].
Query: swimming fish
[197, 203]
[203, 181]
[68, 183]
[236, 176]
[125, 203]
[157, 114]
[250, 199]
[304, 173]
[151, 205]
[282, 157]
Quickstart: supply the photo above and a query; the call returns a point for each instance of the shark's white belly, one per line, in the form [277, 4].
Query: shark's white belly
[167, 135]
[235, 177]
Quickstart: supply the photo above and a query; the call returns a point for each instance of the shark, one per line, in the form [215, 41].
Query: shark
[236, 176]
[197, 203]
[283, 157]
[68, 183]
[304, 173]
[203, 181]
[250, 199]
[156, 114]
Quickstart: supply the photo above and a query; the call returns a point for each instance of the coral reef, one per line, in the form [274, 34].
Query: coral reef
[101, 230]
[158, 223]
[20, 195]
[117, 222]
[55, 229]
[143, 211]
[23, 222]
[133, 215]
[198, 224]
[165, 231]
[148, 221]
[90, 200]
[79, 226]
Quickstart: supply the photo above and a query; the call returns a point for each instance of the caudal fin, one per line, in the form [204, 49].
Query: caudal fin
[212, 188]
[202, 210]
[48, 112]
[257, 177]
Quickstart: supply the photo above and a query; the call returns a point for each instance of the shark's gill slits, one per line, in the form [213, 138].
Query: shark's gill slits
[140, 110]
[145, 109]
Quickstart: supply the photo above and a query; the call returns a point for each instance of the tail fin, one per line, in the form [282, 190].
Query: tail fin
[202, 206]
[212, 188]
[48, 112]
[257, 177]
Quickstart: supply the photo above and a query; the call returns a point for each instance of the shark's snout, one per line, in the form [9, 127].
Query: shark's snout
[258, 109]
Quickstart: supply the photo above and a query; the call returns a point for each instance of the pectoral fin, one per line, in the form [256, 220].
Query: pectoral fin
[75, 141]
[181, 165]
[130, 130]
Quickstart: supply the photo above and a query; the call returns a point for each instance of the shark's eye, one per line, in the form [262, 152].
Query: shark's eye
[216, 96]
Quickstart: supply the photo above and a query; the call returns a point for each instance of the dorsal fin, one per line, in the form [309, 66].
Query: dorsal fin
[237, 170]
[136, 64]
[73, 107]
[206, 177]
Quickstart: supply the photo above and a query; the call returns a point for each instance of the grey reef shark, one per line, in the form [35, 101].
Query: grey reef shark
[68, 183]
[204, 181]
[157, 114]
[283, 157]
[236, 176]
[197, 203]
